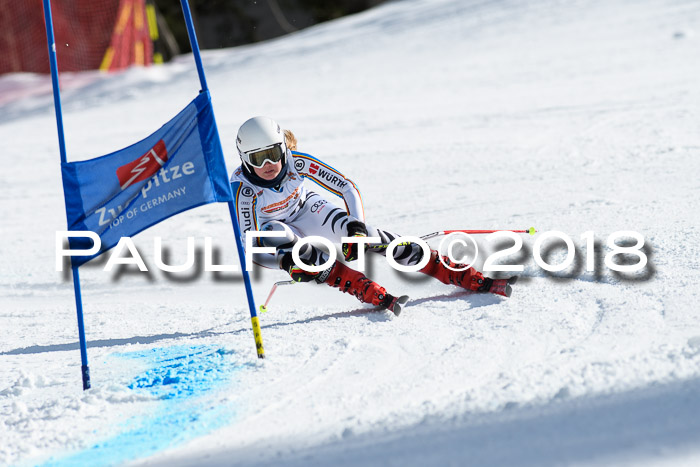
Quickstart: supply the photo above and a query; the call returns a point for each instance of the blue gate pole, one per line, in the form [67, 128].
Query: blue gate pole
[85, 370]
[232, 210]
[62, 148]
[193, 42]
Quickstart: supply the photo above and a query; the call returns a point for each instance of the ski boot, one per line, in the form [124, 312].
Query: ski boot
[365, 290]
[469, 278]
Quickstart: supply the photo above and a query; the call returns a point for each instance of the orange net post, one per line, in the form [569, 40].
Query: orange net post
[131, 38]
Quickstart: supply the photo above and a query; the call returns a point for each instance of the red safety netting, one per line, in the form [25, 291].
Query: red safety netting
[90, 34]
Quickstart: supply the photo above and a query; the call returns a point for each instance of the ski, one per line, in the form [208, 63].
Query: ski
[503, 286]
[396, 304]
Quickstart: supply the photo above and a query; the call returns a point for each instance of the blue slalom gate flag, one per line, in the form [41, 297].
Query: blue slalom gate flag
[178, 167]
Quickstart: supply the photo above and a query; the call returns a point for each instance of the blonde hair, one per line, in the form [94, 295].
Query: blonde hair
[290, 140]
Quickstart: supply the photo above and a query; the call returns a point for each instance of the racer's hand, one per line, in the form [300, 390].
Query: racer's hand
[351, 250]
[297, 274]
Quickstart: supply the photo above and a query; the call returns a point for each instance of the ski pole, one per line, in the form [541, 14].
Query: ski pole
[530, 231]
[263, 308]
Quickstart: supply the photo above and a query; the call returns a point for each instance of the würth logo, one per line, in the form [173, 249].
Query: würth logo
[143, 167]
[313, 168]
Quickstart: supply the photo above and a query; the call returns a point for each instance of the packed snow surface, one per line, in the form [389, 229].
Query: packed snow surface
[569, 116]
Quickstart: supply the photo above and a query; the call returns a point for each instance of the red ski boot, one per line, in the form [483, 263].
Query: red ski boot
[468, 278]
[348, 281]
[357, 284]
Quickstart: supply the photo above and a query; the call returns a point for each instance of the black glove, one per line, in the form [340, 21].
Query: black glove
[351, 250]
[297, 274]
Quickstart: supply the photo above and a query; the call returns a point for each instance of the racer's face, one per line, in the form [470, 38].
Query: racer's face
[268, 171]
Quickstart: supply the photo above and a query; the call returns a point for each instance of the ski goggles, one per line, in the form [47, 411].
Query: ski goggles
[262, 156]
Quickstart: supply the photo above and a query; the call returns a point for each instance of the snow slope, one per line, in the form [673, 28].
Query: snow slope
[566, 115]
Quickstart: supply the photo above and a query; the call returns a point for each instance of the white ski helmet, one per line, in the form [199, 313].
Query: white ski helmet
[260, 140]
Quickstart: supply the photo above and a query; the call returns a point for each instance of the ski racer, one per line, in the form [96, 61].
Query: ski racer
[271, 195]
